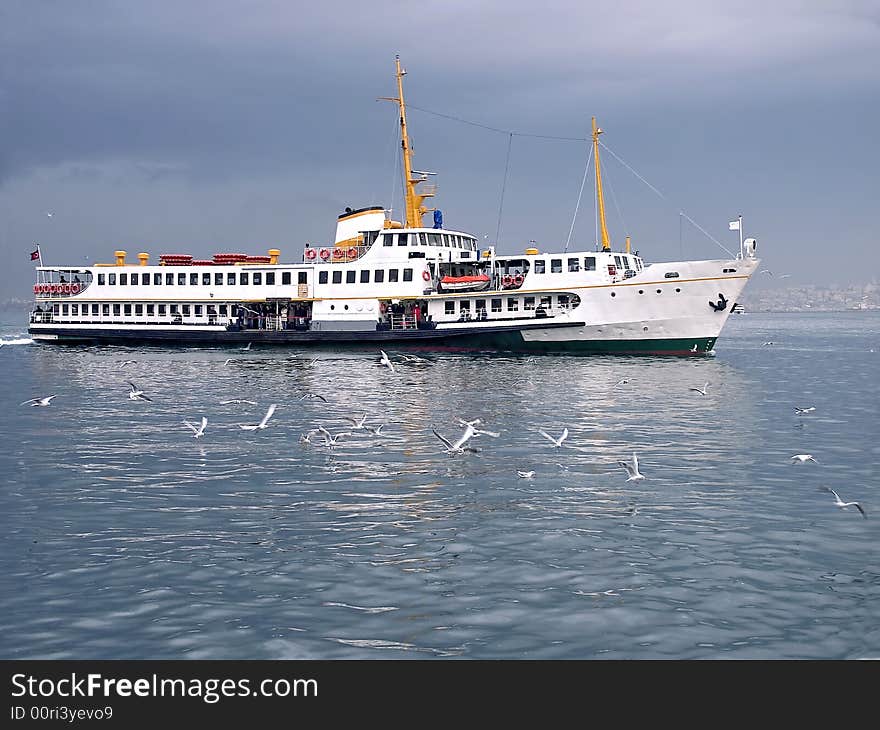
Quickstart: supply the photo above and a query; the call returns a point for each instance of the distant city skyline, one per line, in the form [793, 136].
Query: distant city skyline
[201, 127]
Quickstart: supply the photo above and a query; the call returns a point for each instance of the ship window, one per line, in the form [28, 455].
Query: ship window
[450, 308]
[94, 310]
[555, 266]
[573, 265]
[224, 310]
[123, 279]
[145, 279]
[218, 278]
[337, 277]
[350, 276]
[243, 278]
[496, 305]
[169, 279]
[285, 278]
[302, 277]
[540, 266]
[55, 309]
[258, 278]
[446, 241]
[379, 276]
[161, 310]
[322, 277]
[230, 279]
[151, 310]
[172, 308]
[563, 300]
[402, 239]
[388, 239]
[127, 310]
[101, 279]
[407, 274]
[206, 279]
[423, 239]
[105, 310]
[117, 310]
[185, 310]
[529, 303]
[392, 275]
[546, 302]
[65, 309]
[139, 310]
[618, 262]
[670, 275]
[197, 310]
[513, 304]
[270, 278]
[111, 279]
[157, 280]
[464, 305]
[480, 305]
[134, 279]
[589, 263]
[211, 310]
[433, 239]
[193, 279]
[181, 280]
[365, 276]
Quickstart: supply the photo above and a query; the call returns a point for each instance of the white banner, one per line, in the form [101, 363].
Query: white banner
[734, 225]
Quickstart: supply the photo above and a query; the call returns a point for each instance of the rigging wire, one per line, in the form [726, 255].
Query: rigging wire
[392, 143]
[503, 187]
[580, 193]
[614, 198]
[496, 129]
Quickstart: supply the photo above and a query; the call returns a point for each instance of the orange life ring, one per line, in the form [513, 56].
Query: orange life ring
[310, 254]
[74, 288]
[506, 280]
[325, 254]
[352, 253]
[518, 280]
[426, 276]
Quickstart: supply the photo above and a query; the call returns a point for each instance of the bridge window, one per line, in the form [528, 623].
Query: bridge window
[206, 279]
[285, 278]
[302, 277]
[573, 265]
[589, 263]
[258, 278]
[193, 279]
[388, 239]
[365, 276]
[379, 276]
[270, 278]
[434, 239]
[243, 278]
[540, 266]
[181, 280]
[555, 266]
[123, 279]
[496, 305]
[230, 279]
[450, 307]
[337, 277]
[157, 280]
[169, 279]
[322, 277]
[407, 274]
[402, 239]
[513, 304]
[218, 278]
[111, 279]
[392, 275]
[134, 279]
[350, 276]
[101, 279]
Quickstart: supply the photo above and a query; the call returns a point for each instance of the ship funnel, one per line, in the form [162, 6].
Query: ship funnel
[144, 258]
[750, 245]
[274, 253]
[120, 257]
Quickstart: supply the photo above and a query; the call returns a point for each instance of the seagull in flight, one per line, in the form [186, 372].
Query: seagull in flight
[313, 396]
[126, 362]
[136, 393]
[843, 505]
[237, 401]
[632, 469]
[49, 215]
[701, 391]
[306, 438]
[767, 271]
[198, 431]
[785, 276]
[556, 442]
[37, 402]
[248, 347]
[386, 362]
[227, 361]
[377, 430]
[357, 423]
[329, 439]
[262, 424]
[694, 348]
[802, 411]
[459, 446]
[803, 458]
[412, 358]
[525, 474]
[624, 381]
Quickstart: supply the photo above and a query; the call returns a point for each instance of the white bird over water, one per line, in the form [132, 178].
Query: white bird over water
[262, 424]
[227, 361]
[803, 458]
[49, 215]
[198, 431]
[37, 402]
[377, 430]
[701, 391]
[312, 396]
[802, 411]
[126, 362]
[248, 347]
[525, 474]
[623, 381]
[386, 362]
[459, 446]
[237, 401]
[136, 393]
[632, 469]
[329, 439]
[357, 423]
[843, 505]
[306, 438]
[556, 442]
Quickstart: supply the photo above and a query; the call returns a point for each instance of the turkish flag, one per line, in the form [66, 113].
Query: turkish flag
[35, 255]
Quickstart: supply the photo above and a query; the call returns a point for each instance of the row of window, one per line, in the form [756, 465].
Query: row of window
[513, 303]
[352, 276]
[574, 264]
[140, 310]
[446, 240]
[217, 278]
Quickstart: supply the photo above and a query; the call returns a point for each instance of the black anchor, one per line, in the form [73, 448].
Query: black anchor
[721, 305]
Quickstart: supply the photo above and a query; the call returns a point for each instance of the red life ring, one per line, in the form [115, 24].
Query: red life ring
[338, 253]
[67, 288]
[53, 288]
[506, 280]
[36, 288]
[383, 307]
[518, 280]
[310, 254]
[45, 288]
[352, 253]
[325, 254]
[74, 288]
[426, 276]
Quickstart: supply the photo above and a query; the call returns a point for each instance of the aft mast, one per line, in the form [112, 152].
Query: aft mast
[414, 208]
[600, 199]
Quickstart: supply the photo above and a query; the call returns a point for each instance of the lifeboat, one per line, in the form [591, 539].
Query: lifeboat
[464, 283]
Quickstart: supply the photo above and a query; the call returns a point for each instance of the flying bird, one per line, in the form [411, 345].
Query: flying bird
[198, 431]
[843, 505]
[357, 423]
[525, 474]
[803, 458]
[701, 391]
[237, 401]
[556, 442]
[632, 469]
[136, 393]
[227, 361]
[386, 362]
[694, 348]
[785, 276]
[312, 396]
[37, 402]
[767, 271]
[126, 362]
[412, 358]
[329, 439]
[49, 215]
[802, 411]
[377, 430]
[262, 424]
[624, 381]
[459, 446]
[248, 347]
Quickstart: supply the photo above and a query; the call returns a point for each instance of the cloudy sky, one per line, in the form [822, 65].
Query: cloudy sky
[198, 127]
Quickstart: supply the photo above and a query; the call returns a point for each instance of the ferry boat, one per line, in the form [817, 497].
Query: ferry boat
[384, 281]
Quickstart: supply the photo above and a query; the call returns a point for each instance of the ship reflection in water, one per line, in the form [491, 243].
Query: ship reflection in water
[127, 538]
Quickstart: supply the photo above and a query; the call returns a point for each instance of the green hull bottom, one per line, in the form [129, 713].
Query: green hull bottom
[513, 341]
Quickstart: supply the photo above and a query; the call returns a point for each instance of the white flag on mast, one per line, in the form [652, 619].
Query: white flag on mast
[734, 225]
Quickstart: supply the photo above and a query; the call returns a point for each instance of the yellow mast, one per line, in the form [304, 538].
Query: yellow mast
[414, 208]
[606, 244]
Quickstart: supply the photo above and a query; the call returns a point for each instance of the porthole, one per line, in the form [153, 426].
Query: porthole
[613, 294]
[332, 306]
[678, 291]
[659, 291]
[345, 307]
[641, 291]
[644, 329]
